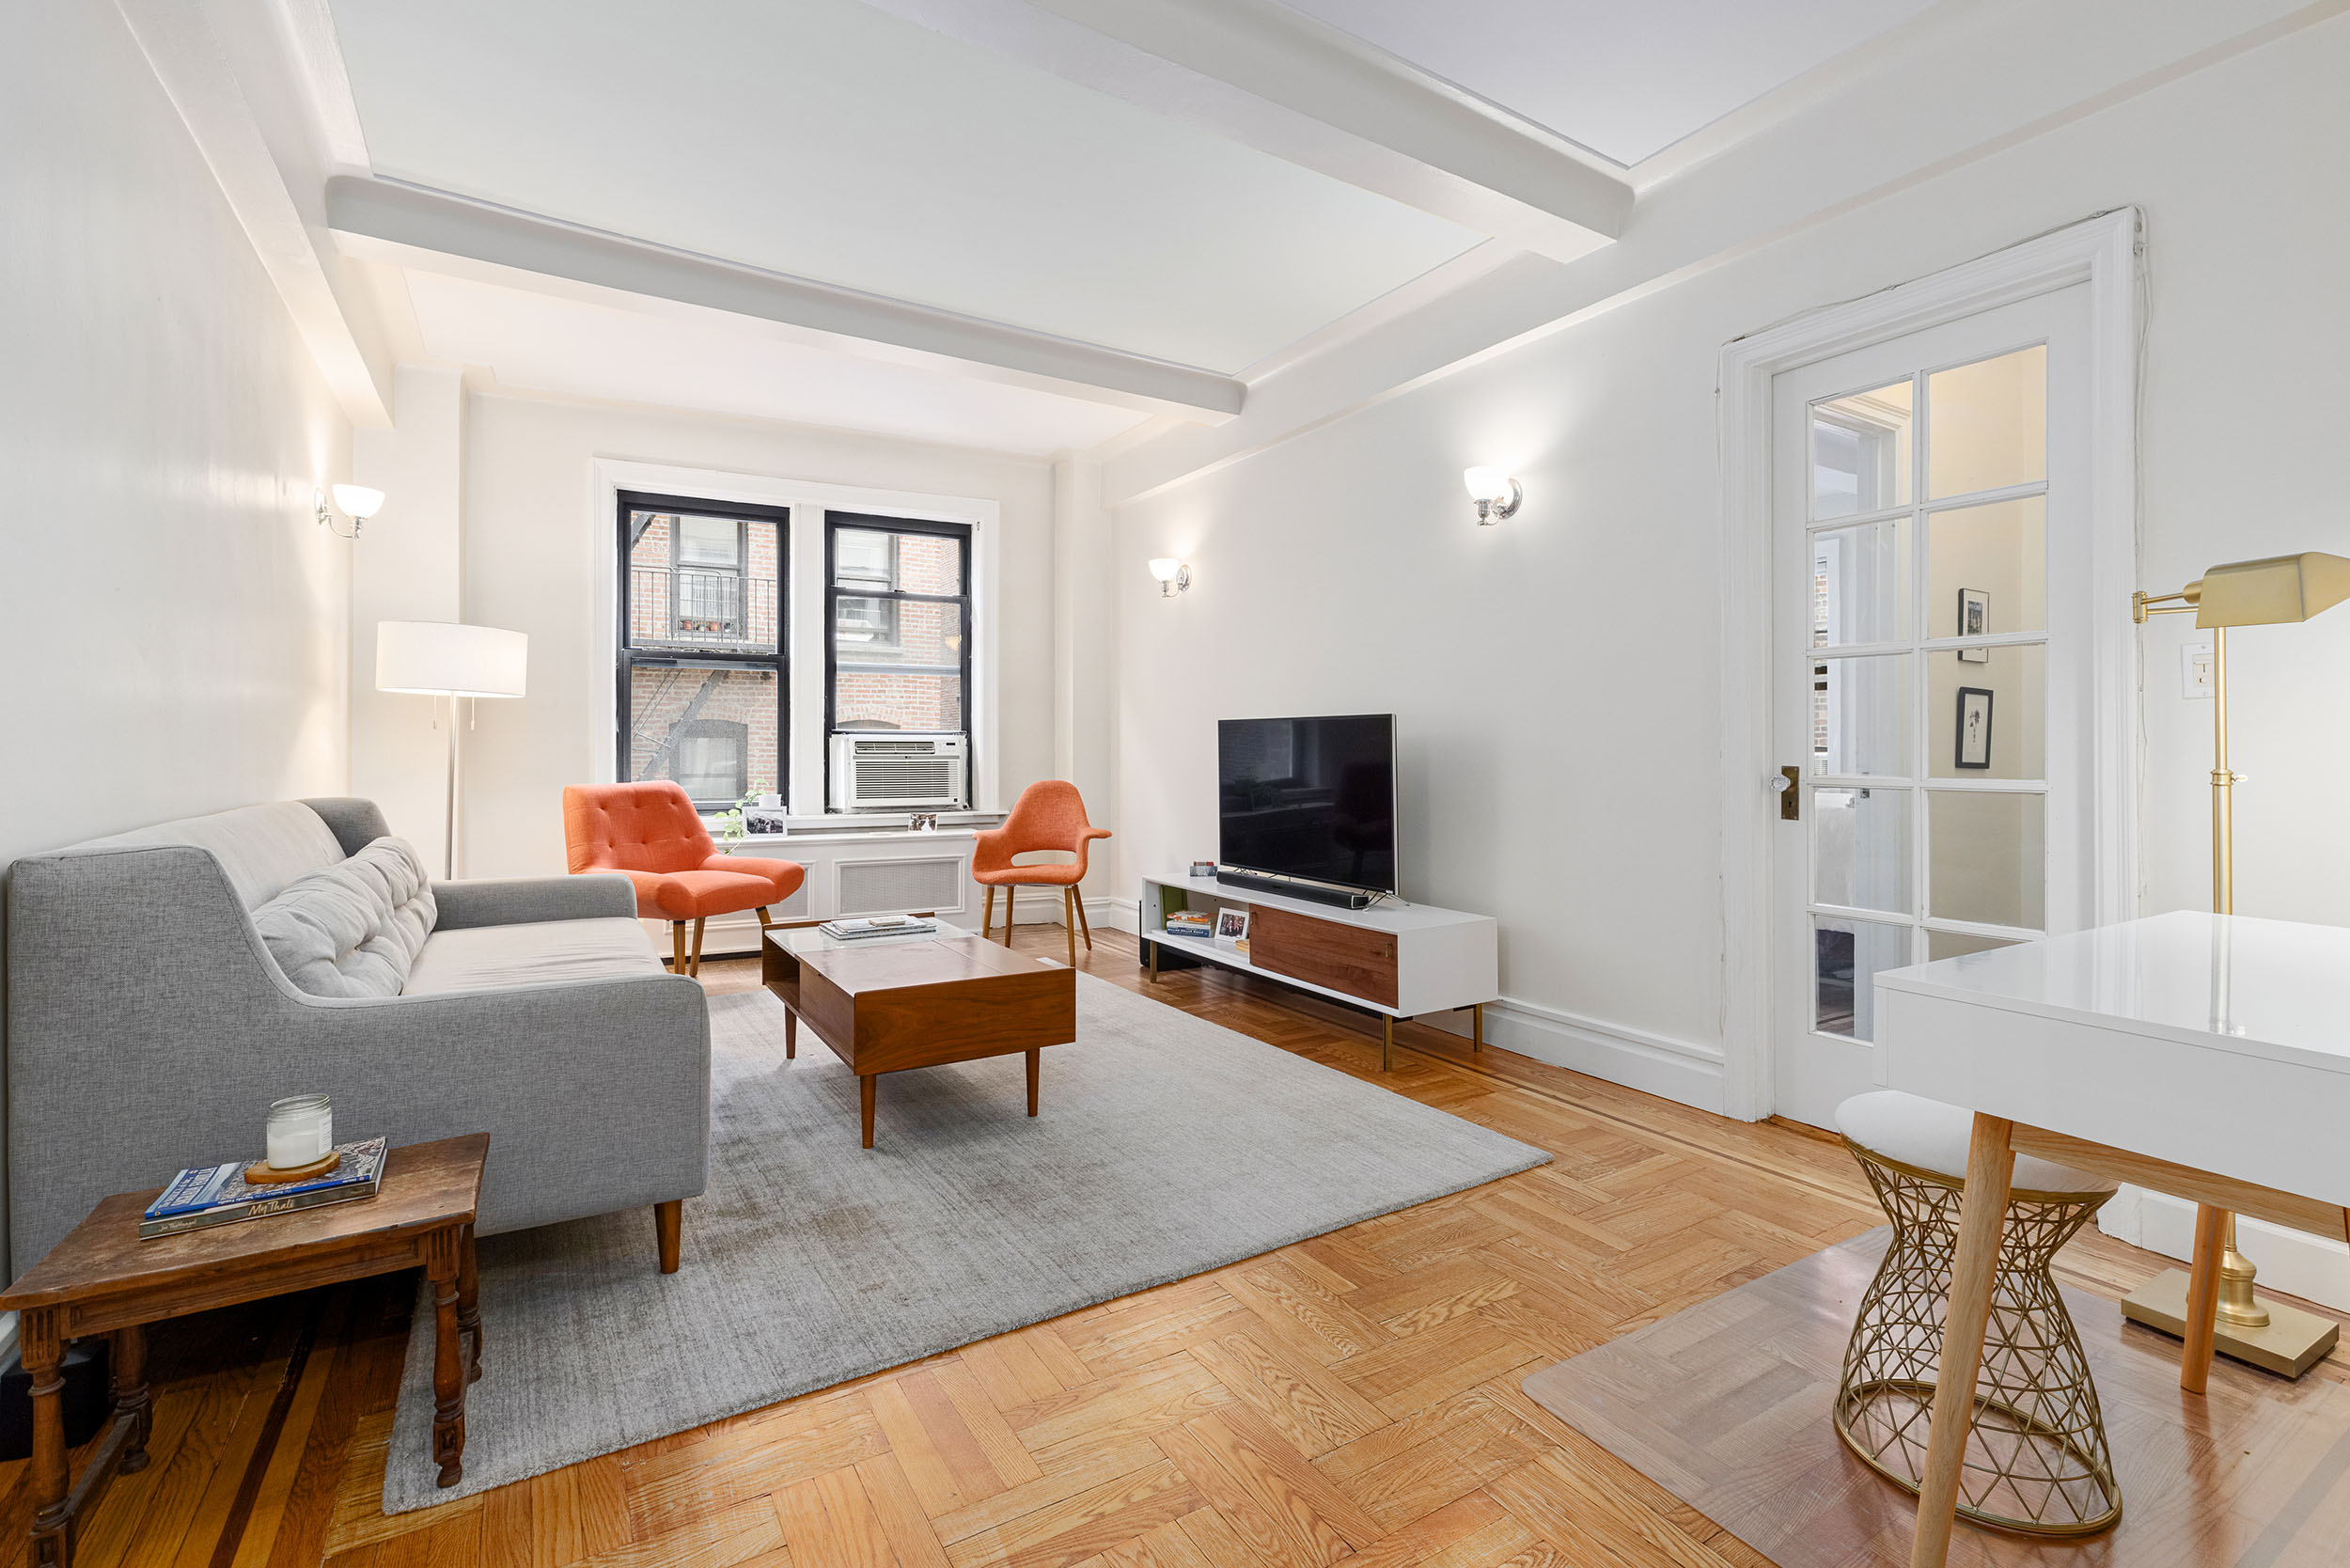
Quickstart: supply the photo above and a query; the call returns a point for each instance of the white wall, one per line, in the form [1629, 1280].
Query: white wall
[1555, 676]
[532, 532]
[176, 626]
[175, 622]
[408, 564]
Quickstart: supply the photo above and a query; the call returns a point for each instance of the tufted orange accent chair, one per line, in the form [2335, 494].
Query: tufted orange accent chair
[1049, 815]
[650, 834]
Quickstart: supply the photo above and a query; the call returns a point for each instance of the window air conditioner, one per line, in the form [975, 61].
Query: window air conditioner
[899, 773]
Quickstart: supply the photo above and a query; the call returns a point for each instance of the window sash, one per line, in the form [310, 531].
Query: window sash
[732, 611]
[843, 659]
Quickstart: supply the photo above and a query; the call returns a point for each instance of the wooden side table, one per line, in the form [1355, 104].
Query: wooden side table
[104, 1279]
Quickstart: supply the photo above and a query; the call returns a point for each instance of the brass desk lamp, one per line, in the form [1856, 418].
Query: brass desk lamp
[2279, 589]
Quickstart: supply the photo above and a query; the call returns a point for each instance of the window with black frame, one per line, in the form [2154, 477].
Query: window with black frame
[702, 661]
[898, 602]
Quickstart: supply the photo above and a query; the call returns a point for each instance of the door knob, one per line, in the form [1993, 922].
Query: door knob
[1790, 787]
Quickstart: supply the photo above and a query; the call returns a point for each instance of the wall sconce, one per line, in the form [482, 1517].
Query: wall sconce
[1173, 575]
[1497, 494]
[357, 501]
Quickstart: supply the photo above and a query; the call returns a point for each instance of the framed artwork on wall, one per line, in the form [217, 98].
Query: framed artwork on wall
[1974, 728]
[1974, 620]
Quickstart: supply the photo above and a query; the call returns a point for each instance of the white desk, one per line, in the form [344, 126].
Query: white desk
[2202, 1055]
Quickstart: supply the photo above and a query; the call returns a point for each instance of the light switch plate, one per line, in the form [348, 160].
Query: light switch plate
[2195, 670]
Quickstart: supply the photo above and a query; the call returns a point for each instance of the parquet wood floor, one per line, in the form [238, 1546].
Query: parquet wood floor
[1351, 1400]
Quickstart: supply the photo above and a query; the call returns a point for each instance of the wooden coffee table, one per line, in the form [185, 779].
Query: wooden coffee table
[102, 1279]
[886, 1004]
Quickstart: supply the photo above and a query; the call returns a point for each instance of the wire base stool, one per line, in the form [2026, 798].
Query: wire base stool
[2036, 1459]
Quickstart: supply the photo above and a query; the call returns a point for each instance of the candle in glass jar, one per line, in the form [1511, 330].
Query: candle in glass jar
[301, 1131]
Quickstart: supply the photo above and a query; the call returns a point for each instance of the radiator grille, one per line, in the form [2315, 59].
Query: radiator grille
[896, 887]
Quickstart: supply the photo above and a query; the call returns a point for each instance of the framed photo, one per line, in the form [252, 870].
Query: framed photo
[1974, 728]
[1974, 620]
[1231, 925]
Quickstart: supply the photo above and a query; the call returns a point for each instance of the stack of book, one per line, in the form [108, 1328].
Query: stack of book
[220, 1195]
[1190, 922]
[880, 925]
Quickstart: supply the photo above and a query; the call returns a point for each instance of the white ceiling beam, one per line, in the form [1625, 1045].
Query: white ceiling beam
[188, 58]
[409, 225]
[1284, 83]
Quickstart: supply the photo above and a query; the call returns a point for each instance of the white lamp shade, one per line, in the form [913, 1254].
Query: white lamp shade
[1486, 484]
[357, 500]
[442, 658]
[1165, 568]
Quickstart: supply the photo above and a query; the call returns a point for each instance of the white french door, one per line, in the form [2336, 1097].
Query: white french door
[1931, 667]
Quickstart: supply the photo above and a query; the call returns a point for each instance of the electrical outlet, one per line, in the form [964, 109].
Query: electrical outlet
[2195, 670]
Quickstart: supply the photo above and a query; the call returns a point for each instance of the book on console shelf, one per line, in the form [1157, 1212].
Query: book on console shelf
[1190, 922]
[880, 925]
[219, 1194]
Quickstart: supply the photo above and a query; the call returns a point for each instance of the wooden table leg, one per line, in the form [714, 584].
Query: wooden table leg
[865, 1103]
[790, 1035]
[1477, 1027]
[40, 1348]
[442, 1249]
[1386, 1043]
[134, 1408]
[1981, 1223]
[1154, 961]
[469, 1306]
[2202, 1297]
[1035, 1058]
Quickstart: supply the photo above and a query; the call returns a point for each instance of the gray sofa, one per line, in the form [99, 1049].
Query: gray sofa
[150, 1023]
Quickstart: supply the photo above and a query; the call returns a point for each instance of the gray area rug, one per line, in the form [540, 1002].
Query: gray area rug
[1167, 1146]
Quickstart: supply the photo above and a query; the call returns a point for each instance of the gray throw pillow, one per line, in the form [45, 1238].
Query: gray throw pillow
[352, 928]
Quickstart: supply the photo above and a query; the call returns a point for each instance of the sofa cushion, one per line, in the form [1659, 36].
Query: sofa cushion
[352, 928]
[262, 848]
[539, 953]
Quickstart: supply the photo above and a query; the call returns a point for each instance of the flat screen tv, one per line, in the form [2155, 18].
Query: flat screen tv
[1308, 805]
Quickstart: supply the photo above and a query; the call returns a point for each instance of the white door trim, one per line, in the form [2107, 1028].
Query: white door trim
[2102, 252]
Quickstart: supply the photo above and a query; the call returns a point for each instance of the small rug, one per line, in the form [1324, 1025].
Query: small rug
[1726, 1407]
[1167, 1146]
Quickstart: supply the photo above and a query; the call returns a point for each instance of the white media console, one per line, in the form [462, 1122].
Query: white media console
[1398, 960]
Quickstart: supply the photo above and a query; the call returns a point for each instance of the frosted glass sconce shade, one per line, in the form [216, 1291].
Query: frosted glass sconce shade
[1173, 575]
[358, 501]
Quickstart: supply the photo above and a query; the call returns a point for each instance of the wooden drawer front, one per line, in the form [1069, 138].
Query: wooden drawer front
[1350, 959]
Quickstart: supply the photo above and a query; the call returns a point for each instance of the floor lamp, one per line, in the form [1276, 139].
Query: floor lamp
[442, 658]
[2274, 591]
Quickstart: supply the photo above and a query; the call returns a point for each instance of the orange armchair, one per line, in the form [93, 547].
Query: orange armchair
[1049, 815]
[650, 834]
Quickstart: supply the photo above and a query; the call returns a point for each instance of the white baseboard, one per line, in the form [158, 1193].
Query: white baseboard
[2292, 1262]
[1117, 915]
[1657, 1064]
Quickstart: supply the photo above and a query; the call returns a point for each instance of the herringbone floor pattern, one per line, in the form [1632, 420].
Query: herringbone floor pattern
[1350, 1400]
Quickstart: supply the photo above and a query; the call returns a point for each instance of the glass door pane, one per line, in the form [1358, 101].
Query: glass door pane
[1988, 864]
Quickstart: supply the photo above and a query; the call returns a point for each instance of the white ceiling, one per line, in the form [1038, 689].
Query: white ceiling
[1626, 78]
[826, 140]
[539, 342]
